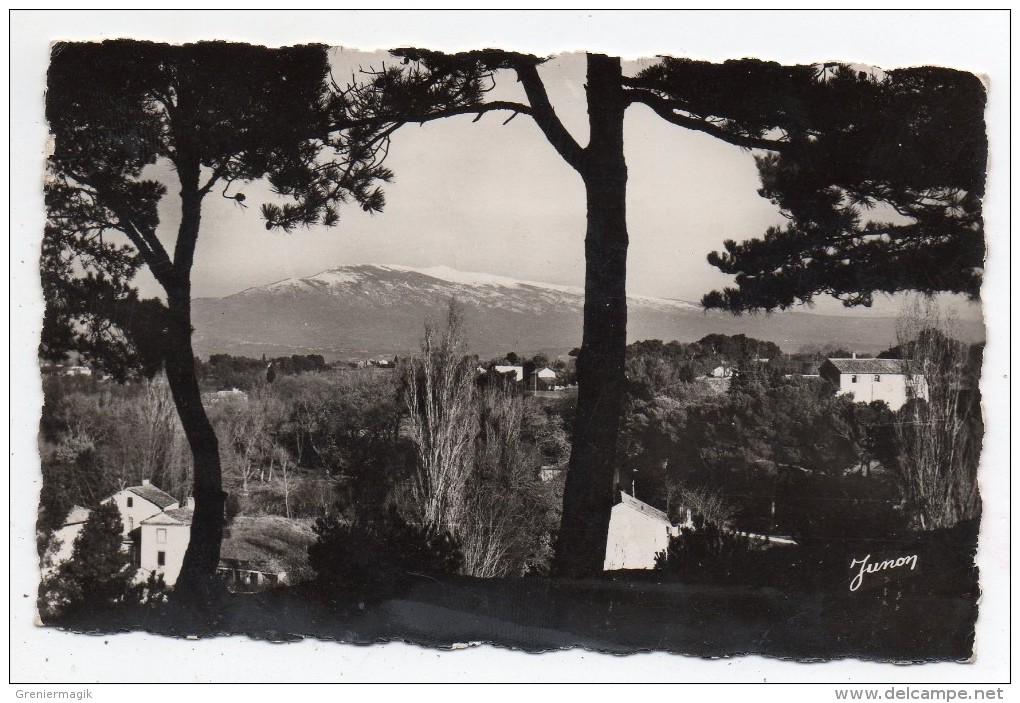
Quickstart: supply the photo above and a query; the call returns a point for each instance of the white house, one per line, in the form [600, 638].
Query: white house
[156, 531]
[893, 380]
[137, 503]
[542, 379]
[162, 541]
[232, 394]
[637, 531]
[517, 371]
[61, 545]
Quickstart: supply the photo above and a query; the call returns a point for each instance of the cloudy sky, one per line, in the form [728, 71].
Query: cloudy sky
[483, 196]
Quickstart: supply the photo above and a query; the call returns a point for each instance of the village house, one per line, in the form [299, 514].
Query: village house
[162, 541]
[546, 374]
[894, 381]
[637, 532]
[257, 553]
[248, 576]
[233, 394]
[137, 503]
[62, 543]
[541, 379]
[517, 371]
[156, 531]
[721, 372]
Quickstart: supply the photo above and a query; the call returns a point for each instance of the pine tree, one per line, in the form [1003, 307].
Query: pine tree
[221, 115]
[99, 572]
[831, 143]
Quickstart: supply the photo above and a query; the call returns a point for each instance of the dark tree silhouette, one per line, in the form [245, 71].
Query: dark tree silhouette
[220, 115]
[832, 142]
[881, 183]
[98, 573]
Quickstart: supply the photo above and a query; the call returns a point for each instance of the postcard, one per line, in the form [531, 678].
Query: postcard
[542, 353]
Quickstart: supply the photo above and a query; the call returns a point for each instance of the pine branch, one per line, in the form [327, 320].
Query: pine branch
[672, 112]
[545, 116]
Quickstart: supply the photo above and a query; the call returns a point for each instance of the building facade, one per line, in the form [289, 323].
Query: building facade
[138, 503]
[894, 381]
[637, 532]
[163, 540]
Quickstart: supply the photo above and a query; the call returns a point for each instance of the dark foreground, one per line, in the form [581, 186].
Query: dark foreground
[622, 613]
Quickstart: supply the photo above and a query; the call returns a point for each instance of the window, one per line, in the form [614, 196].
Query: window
[130, 502]
[160, 558]
[878, 377]
[853, 379]
[161, 535]
[253, 578]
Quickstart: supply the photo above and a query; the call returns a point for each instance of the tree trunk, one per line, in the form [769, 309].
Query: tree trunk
[588, 495]
[196, 580]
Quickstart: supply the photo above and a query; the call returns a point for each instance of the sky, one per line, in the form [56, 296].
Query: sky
[484, 196]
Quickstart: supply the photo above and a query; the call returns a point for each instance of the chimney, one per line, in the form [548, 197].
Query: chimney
[189, 503]
[146, 482]
[853, 355]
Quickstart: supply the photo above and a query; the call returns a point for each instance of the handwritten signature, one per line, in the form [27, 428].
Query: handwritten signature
[877, 566]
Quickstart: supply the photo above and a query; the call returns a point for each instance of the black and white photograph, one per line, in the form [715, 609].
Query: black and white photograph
[549, 352]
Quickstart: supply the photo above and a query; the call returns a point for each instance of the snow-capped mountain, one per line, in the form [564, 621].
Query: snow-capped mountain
[370, 309]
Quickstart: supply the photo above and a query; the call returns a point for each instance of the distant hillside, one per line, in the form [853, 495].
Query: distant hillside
[373, 309]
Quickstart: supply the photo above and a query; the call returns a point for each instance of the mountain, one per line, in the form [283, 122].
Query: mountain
[370, 309]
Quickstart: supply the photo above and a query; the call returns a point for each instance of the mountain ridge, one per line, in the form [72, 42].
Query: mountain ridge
[367, 309]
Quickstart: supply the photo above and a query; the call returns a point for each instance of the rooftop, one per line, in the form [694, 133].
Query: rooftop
[177, 516]
[868, 366]
[632, 502]
[160, 498]
[76, 515]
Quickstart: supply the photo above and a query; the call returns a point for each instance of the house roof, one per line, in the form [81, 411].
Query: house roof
[654, 513]
[76, 515]
[867, 366]
[178, 516]
[161, 499]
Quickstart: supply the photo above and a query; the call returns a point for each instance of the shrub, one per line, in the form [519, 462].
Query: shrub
[708, 552]
[368, 555]
[152, 591]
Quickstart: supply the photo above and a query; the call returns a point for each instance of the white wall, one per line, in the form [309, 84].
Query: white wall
[634, 538]
[890, 387]
[177, 537]
[61, 547]
[141, 509]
